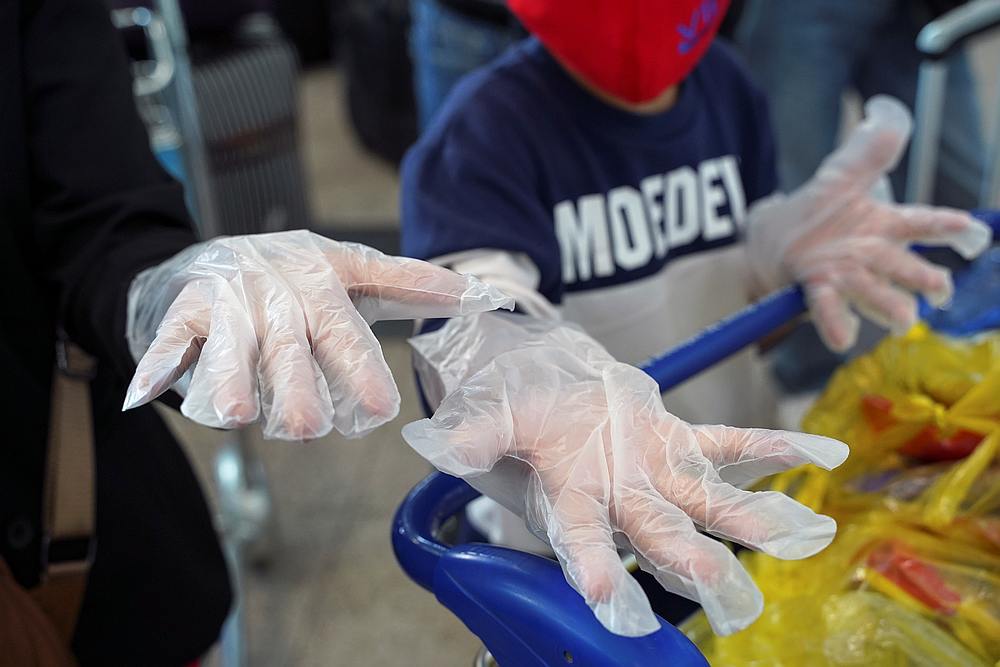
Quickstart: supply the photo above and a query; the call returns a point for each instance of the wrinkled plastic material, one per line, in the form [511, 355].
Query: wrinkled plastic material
[275, 327]
[540, 417]
[913, 576]
[847, 248]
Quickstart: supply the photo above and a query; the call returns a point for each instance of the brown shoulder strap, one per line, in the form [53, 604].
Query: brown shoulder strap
[68, 508]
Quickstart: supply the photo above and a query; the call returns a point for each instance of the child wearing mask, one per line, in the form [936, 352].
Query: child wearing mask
[616, 171]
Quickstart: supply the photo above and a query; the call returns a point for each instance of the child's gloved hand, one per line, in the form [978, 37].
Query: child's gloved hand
[275, 327]
[849, 250]
[540, 417]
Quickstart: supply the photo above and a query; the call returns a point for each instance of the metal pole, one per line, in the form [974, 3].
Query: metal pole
[927, 131]
[185, 101]
[229, 463]
[229, 480]
[989, 196]
[936, 41]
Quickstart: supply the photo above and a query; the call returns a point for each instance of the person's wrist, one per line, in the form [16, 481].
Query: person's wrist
[768, 237]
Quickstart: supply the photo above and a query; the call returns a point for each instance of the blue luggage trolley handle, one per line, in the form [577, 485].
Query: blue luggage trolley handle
[519, 604]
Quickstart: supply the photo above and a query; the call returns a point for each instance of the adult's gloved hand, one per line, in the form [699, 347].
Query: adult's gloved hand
[541, 418]
[848, 249]
[275, 327]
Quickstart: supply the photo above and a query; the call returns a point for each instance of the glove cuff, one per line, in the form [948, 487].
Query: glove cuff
[769, 232]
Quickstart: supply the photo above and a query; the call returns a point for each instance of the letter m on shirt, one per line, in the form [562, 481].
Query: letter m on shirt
[582, 230]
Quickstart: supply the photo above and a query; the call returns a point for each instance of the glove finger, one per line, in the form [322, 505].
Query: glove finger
[579, 531]
[357, 376]
[939, 226]
[907, 269]
[653, 446]
[688, 563]
[177, 344]
[872, 149]
[765, 520]
[384, 287]
[742, 455]
[470, 431]
[295, 399]
[836, 324]
[880, 301]
[223, 392]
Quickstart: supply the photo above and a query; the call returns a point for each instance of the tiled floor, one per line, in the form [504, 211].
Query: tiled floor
[334, 595]
[347, 184]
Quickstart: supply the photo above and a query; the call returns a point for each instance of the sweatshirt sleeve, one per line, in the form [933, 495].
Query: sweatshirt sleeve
[472, 184]
[761, 178]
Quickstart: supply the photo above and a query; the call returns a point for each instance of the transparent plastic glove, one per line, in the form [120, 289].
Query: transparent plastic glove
[848, 249]
[275, 327]
[551, 426]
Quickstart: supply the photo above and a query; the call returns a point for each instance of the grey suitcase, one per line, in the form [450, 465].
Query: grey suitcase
[247, 99]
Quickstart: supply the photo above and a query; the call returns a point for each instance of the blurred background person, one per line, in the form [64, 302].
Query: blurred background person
[806, 54]
[84, 206]
[449, 39]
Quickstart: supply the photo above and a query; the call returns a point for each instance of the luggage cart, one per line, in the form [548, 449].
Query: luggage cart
[208, 127]
[520, 604]
[936, 41]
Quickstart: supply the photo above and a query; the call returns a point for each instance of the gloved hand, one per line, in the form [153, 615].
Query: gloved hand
[849, 250]
[541, 418]
[275, 327]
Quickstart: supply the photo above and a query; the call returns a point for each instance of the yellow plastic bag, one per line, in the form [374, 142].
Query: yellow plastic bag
[915, 394]
[881, 594]
[913, 577]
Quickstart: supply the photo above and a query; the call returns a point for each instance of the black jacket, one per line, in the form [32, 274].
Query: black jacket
[83, 207]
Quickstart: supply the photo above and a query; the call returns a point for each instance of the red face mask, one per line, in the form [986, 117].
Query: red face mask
[630, 49]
